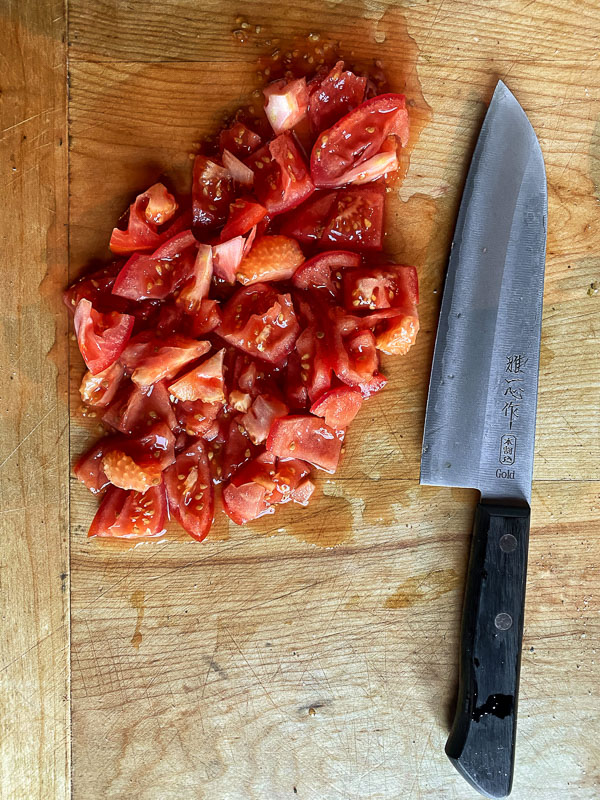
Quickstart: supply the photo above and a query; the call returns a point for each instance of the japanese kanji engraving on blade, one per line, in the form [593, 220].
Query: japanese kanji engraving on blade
[480, 422]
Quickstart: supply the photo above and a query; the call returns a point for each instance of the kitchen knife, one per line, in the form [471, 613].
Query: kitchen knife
[480, 423]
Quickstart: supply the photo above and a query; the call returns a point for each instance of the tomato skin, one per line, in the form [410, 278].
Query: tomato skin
[204, 382]
[260, 416]
[357, 137]
[88, 467]
[238, 448]
[206, 318]
[139, 408]
[166, 358]
[152, 208]
[333, 95]
[131, 515]
[197, 286]
[357, 363]
[338, 407]
[307, 438]
[99, 390]
[244, 213]
[190, 491]
[259, 308]
[101, 337]
[308, 223]
[281, 178]
[212, 192]
[271, 258]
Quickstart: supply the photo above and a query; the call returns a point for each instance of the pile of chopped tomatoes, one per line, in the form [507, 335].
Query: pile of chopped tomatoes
[236, 334]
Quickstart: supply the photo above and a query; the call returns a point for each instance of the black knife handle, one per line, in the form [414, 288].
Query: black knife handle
[481, 744]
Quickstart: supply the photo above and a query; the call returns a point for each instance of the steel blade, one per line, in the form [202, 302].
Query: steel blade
[480, 421]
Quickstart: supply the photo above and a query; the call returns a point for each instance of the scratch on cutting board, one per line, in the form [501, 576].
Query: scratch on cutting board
[137, 602]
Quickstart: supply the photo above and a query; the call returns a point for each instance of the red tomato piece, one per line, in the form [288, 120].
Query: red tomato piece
[131, 515]
[205, 382]
[356, 221]
[308, 223]
[156, 276]
[99, 390]
[245, 497]
[286, 103]
[212, 192]
[296, 393]
[334, 95]
[227, 256]
[303, 492]
[140, 408]
[101, 337]
[167, 357]
[315, 371]
[197, 286]
[239, 140]
[244, 214]
[97, 288]
[338, 407]
[316, 273]
[391, 286]
[88, 467]
[281, 178]
[151, 209]
[357, 137]
[138, 463]
[238, 448]
[190, 491]
[237, 169]
[196, 417]
[305, 437]
[259, 417]
[398, 334]
[357, 363]
[260, 322]
[272, 258]
[287, 478]
[206, 318]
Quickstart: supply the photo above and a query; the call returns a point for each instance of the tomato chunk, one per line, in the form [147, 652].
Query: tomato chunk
[205, 382]
[99, 390]
[101, 337]
[356, 221]
[196, 288]
[260, 416]
[286, 103]
[244, 214]
[333, 95]
[212, 191]
[237, 169]
[338, 407]
[281, 178]
[271, 258]
[260, 322]
[308, 223]
[356, 138]
[239, 140]
[131, 515]
[316, 273]
[190, 491]
[166, 358]
[308, 438]
[151, 209]
[139, 408]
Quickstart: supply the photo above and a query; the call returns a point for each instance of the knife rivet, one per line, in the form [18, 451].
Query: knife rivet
[503, 621]
[508, 543]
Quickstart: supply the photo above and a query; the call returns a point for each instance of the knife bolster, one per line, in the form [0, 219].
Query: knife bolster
[481, 744]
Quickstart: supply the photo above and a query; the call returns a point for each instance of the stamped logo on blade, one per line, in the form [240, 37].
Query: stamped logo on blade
[508, 449]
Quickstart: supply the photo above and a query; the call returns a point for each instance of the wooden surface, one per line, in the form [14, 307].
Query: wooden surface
[265, 663]
[34, 550]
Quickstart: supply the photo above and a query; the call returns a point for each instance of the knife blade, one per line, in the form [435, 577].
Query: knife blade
[480, 423]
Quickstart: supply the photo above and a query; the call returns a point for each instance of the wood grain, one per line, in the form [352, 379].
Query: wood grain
[34, 459]
[262, 664]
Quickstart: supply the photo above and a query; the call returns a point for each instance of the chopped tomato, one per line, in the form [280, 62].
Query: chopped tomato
[303, 492]
[97, 288]
[101, 337]
[398, 334]
[281, 178]
[259, 417]
[151, 209]
[357, 363]
[260, 322]
[272, 258]
[166, 358]
[338, 407]
[227, 256]
[138, 463]
[88, 467]
[206, 318]
[316, 273]
[245, 497]
[305, 437]
[205, 382]
[237, 169]
[390, 286]
[238, 449]
[100, 389]
[356, 222]
[357, 137]
[333, 95]
[196, 288]
[190, 491]
[239, 140]
[244, 214]
[131, 515]
[156, 276]
[212, 191]
[287, 479]
[286, 103]
[196, 417]
[140, 408]
[315, 370]
[308, 223]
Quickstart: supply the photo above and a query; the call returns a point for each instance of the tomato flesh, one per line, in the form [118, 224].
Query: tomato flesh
[271, 258]
[101, 337]
[131, 515]
[212, 192]
[151, 209]
[190, 491]
[333, 95]
[338, 407]
[305, 437]
[281, 178]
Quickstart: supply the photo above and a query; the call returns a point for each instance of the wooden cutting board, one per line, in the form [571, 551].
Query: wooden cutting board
[313, 654]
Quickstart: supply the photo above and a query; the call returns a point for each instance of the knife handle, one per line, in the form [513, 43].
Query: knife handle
[481, 744]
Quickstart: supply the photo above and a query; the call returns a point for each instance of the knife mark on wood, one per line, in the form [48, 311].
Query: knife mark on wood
[137, 602]
[424, 588]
